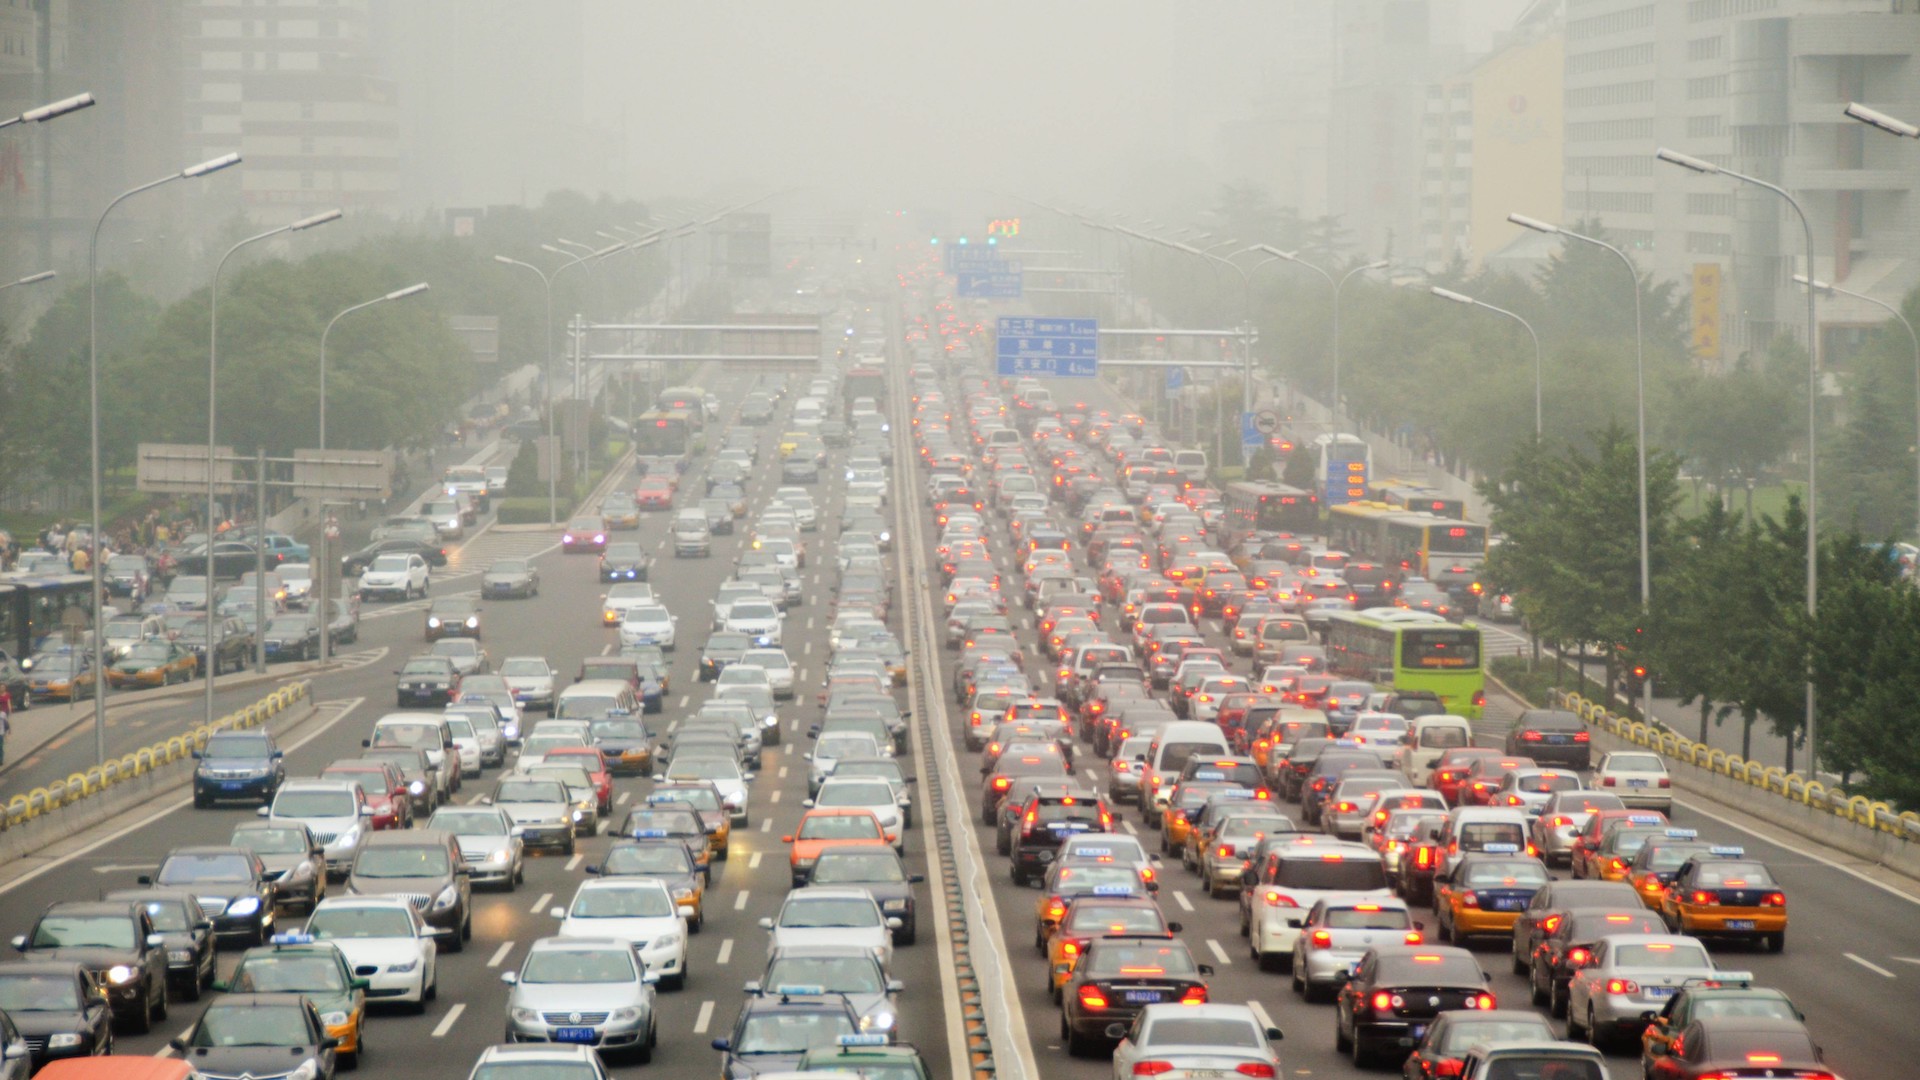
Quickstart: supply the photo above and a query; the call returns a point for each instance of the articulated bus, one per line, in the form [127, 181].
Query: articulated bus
[1410, 650]
[1445, 551]
[1264, 507]
[667, 436]
[1418, 497]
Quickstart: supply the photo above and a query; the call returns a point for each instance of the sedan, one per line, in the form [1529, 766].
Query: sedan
[453, 616]
[1396, 992]
[648, 624]
[387, 944]
[515, 578]
[587, 991]
[260, 1035]
[57, 1010]
[1638, 777]
[1197, 1040]
[231, 884]
[426, 680]
[624, 561]
[152, 663]
[584, 534]
[1117, 978]
[635, 910]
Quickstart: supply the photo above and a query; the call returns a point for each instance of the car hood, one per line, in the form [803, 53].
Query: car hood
[250, 1060]
[575, 997]
[39, 1023]
[91, 958]
[529, 682]
[377, 952]
[634, 929]
[390, 886]
[881, 891]
[523, 813]
[277, 862]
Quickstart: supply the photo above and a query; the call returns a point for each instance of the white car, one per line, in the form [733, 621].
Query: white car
[830, 748]
[1378, 730]
[531, 680]
[401, 576]
[639, 911]
[874, 795]
[777, 666]
[385, 942]
[725, 773]
[1638, 777]
[757, 619]
[621, 598]
[826, 915]
[648, 624]
[298, 578]
[730, 593]
[335, 811]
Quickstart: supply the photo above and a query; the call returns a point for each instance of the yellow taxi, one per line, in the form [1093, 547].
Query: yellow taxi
[790, 441]
[1065, 882]
[1486, 892]
[1657, 861]
[1184, 803]
[153, 662]
[1107, 911]
[1610, 860]
[1726, 894]
[706, 800]
[296, 962]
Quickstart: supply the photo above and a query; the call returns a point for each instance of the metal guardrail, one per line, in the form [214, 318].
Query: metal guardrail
[84, 785]
[1858, 809]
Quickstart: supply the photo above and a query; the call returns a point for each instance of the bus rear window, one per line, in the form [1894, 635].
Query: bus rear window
[1440, 648]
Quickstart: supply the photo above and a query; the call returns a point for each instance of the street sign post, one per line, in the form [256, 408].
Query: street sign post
[1048, 347]
[993, 284]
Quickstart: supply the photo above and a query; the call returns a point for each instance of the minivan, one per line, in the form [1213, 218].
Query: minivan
[691, 534]
[1168, 754]
[1427, 739]
[593, 699]
[1193, 463]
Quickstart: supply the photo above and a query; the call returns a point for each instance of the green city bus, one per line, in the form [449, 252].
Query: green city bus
[1410, 650]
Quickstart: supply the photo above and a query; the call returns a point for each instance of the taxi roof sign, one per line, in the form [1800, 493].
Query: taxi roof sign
[1097, 852]
[663, 797]
[291, 938]
[650, 834]
[862, 1040]
[799, 990]
[1727, 851]
[1645, 819]
[1683, 834]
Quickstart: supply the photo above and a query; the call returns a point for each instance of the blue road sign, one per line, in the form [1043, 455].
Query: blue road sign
[1250, 435]
[1050, 348]
[1176, 378]
[971, 257]
[995, 284]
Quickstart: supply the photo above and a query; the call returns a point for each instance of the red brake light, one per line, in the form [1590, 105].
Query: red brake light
[1254, 1068]
[1383, 1001]
[1322, 938]
[1195, 995]
[1152, 1068]
[1622, 986]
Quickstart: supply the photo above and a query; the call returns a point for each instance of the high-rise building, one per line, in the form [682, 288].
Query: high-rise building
[1757, 86]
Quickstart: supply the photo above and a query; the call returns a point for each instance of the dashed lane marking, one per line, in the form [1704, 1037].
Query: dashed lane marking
[1870, 965]
[1181, 899]
[1219, 953]
[740, 901]
[446, 1023]
[726, 952]
[500, 954]
[706, 1017]
[547, 898]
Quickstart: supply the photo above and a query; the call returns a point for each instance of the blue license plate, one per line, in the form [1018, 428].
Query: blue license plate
[1740, 924]
[232, 785]
[1142, 997]
[1418, 1032]
[1659, 991]
[1636, 783]
[573, 1034]
[1558, 740]
[1509, 903]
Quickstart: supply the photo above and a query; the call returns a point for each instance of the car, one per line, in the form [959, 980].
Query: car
[387, 944]
[398, 576]
[1561, 817]
[1288, 875]
[1541, 1057]
[56, 676]
[116, 943]
[230, 883]
[777, 1027]
[624, 561]
[1724, 894]
[294, 963]
[1551, 737]
[618, 512]
[760, 620]
[828, 915]
[1195, 1040]
[664, 858]
[237, 766]
[584, 534]
[601, 981]
[825, 827]
[1728, 993]
[1337, 932]
[426, 680]
[1396, 992]
[722, 648]
[295, 861]
[1626, 980]
[260, 1035]
[510, 579]
[531, 679]
[1485, 892]
[188, 930]
[551, 1061]
[416, 863]
[1453, 1033]
[453, 616]
[1117, 978]
[637, 911]
[1567, 946]
[648, 624]
[152, 664]
[490, 843]
[881, 874]
[541, 809]
[1638, 777]
[1551, 904]
[292, 636]
[874, 795]
[337, 812]
[56, 1009]
[1736, 1045]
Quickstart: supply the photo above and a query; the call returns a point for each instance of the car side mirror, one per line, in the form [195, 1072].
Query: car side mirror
[511, 978]
[329, 1043]
[766, 924]
[144, 879]
[1175, 927]
[592, 868]
[1204, 969]
[366, 811]
[369, 742]
[1276, 1034]
[723, 1044]
[197, 755]
[894, 923]
[916, 879]
[279, 754]
[178, 1043]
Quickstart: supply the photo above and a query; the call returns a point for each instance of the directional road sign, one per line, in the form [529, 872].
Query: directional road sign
[1176, 378]
[990, 284]
[1250, 432]
[1048, 347]
[971, 257]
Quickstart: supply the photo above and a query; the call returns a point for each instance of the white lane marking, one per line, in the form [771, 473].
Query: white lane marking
[1128, 823]
[1805, 853]
[753, 861]
[1870, 965]
[1906, 959]
[446, 1023]
[811, 620]
[782, 773]
[684, 698]
[621, 799]
[500, 954]
[547, 897]
[1260, 1014]
[1219, 953]
[574, 863]
[775, 797]
[1181, 899]
[740, 902]
[706, 1017]
[766, 824]
[807, 649]
[726, 952]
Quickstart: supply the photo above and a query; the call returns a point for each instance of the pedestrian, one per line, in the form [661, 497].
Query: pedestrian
[6, 719]
[80, 560]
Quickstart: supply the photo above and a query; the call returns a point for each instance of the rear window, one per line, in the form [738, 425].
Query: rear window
[1443, 737]
[1339, 874]
[1663, 956]
[1369, 917]
[1429, 969]
[1479, 835]
[1174, 756]
[1246, 773]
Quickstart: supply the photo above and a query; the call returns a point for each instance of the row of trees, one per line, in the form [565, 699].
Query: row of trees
[396, 373]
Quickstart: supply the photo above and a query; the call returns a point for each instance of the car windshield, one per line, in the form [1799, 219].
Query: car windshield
[821, 912]
[626, 903]
[524, 668]
[237, 746]
[585, 706]
[1733, 875]
[578, 966]
[271, 841]
[530, 791]
[313, 804]
[1505, 874]
[703, 769]
[1635, 763]
[1367, 917]
[647, 859]
[1185, 1031]
[36, 993]
[83, 931]
[295, 626]
[126, 629]
[192, 869]
[1662, 956]
[469, 822]
[839, 827]
[253, 1025]
[536, 1070]
[152, 652]
[391, 564]
[835, 974]
[281, 973]
[849, 867]
[1109, 959]
[845, 793]
[703, 798]
[618, 729]
[360, 922]
[1462, 1034]
[402, 862]
[790, 1032]
[435, 667]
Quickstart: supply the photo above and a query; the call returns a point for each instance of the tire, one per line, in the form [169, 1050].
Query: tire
[142, 1023]
[1534, 993]
[1557, 1001]
[1341, 1044]
[456, 943]
[190, 990]
[644, 1053]
[1360, 1056]
[1776, 941]
[1077, 1046]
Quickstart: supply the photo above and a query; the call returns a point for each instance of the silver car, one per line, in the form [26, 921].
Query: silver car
[540, 809]
[1338, 932]
[1196, 1040]
[1628, 978]
[838, 969]
[489, 841]
[585, 991]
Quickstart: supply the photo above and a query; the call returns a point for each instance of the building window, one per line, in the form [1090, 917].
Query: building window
[1588, 97]
[1709, 243]
[1702, 10]
[1711, 126]
[1620, 202]
[1769, 141]
[1705, 204]
[1640, 127]
[1707, 86]
[1617, 22]
[1610, 165]
[1607, 59]
[1706, 48]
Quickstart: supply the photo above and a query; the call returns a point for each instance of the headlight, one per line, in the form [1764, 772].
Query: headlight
[881, 1020]
[402, 969]
[512, 731]
[246, 905]
[347, 839]
[63, 1040]
[894, 905]
[418, 787]
[121, 974]
[626, 1015]
[307, 1071]
[333, 1019]
[304, 870]
[473, 622]
[667, 941]
[805, 864]
[448, 896]
[525, 1016]
[771, 721]
[500, 855]
[683, 894]
[179, 956]
[579, 815]
[432, 621]
[735, 799]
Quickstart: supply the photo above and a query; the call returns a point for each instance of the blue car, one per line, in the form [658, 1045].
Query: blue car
[238, 766]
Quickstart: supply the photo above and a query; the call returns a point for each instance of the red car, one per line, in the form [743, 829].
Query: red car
[1450, 772]
[595, 762]
[386, 791]
[653, 494]
[1483, 778]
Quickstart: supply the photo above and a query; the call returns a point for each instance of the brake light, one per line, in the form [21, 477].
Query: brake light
[1092, 998]
[1549, 924]
[1322, 938]
[1774, 899]
[1622, 986]
[1424, 858]
[1276, 898]
[1480, 1001]
[1254, 1068]
[1414, 937]
[1469, 899]
[1384, 1002]
[1608, 781]
[1701, 896]
[1576, 957]
[1002, 783]
[1069, 948]
[1195, 995]
[1056, 909]
[1152, 1068]
[1448, 1066]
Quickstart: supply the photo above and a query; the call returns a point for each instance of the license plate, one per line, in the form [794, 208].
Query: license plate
[573, 1034]
[1739, 924]
[1508, 903]
[1142, 997]
[1557, 740]
[231, 785]
[1069, 826]
[1636, 783]
[1659, 991]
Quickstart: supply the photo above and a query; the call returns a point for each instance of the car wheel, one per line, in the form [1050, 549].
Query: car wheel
[1557, 1001]
[1360, 1056]
[1341, 1044]
[643, 1054]
[1776, 941]
[157, 1007]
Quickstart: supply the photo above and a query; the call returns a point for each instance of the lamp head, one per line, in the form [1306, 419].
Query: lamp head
[1889, 124]
[1533, 223]
[1449, 294]
[213, 165]
[1686, 161]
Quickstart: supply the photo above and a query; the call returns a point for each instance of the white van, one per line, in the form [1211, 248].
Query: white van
[595, 699]
[1168, 754]
[808, 413]
[1193, 463]
[1481, 828]
[1427, 739]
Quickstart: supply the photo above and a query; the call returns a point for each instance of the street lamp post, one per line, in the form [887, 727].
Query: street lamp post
[397, 294]
[1462, 298]
[1708, 168]
[1890, 309]
[553, 446]
[1640, 418]
[1339, 286]
[213, 398]
[191, 172]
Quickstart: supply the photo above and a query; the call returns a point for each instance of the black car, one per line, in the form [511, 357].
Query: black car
[877, 869]
[232, 641]
[723, 647]
[296, 862]
[1047, 819]
[294, 636]
[356, 564]
[453, 616]
[238, 766]
[426, 680]
[1120, 975]
[57, 1009]
[263, 1035]
[178, 917]
[1394, 993]
[231, 883]
[231, 558]
[18, 681]
[1551, 737]
[117, 944]
[624, 562]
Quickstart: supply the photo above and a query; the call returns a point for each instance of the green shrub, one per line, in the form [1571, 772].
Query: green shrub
[523, 510]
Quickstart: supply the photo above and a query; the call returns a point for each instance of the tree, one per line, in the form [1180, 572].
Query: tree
[47, 410]
[1864, 483]
[1302, 468]
[1694, 604]
[1869, 688]
[523, 476]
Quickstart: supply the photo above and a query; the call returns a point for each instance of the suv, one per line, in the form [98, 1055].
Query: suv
[117, 943]
[237, 765]
[1049, 818]
[424, 866]
[400, 576]
[691, 534]
[1290, 877]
